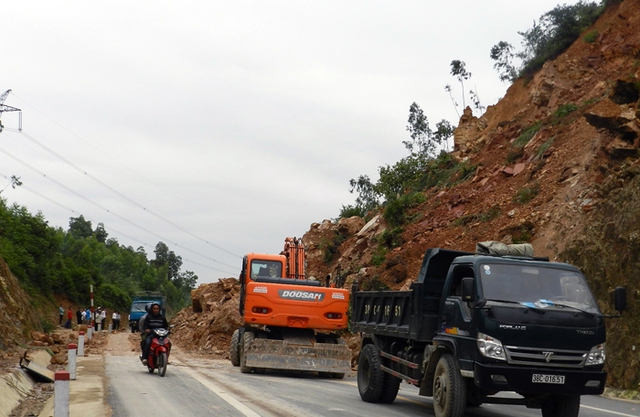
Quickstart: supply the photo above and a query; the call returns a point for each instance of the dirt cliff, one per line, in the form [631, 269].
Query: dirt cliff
[17, 316]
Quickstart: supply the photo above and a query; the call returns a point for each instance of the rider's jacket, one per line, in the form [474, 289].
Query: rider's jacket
[156, 322]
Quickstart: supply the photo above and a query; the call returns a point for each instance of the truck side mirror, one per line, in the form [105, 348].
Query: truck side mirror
[620, 298]
[467, 290]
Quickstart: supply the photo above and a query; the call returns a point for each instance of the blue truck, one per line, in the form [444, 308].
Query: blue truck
[138, 304]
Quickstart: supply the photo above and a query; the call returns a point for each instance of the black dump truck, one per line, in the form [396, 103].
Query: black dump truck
[472, 326]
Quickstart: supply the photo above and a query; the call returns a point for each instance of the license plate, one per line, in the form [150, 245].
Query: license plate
[547, 379]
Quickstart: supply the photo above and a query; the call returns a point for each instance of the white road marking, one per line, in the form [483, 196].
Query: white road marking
[608, 411]
[221, 392]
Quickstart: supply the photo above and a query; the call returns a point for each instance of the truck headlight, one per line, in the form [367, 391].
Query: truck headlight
[491, 347]
[596, 356]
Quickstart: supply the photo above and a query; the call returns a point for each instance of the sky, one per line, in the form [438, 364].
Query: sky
[221, 127]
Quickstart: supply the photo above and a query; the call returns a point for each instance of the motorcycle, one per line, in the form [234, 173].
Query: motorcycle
[159, 351]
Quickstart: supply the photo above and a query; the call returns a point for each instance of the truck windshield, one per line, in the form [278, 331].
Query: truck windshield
[538, 286]
[138, 307]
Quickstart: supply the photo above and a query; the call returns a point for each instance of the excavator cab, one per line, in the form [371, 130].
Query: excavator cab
[262, 268]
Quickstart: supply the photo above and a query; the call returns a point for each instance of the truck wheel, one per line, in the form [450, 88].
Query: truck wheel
[449, 390]
[247, 339]
[234, 348]
[390, 387]
[370, 376]
[561, 406]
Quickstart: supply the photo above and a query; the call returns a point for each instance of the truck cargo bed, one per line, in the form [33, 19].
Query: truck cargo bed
[411, 314]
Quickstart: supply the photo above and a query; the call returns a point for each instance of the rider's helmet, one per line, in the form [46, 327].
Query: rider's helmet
[154, 304]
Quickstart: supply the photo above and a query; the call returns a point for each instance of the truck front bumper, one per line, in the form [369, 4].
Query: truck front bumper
[495, 377]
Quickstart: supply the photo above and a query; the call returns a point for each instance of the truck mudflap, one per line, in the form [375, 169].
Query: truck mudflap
[279, 354]
[539, 380]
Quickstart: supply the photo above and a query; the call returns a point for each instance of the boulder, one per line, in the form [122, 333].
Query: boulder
[227, 320]
[611, 116]
[350, 226]
[468, 130]
[59, 358]
[541, 92]
[41, 337]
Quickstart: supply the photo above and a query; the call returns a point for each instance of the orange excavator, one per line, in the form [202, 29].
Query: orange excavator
[289, 322]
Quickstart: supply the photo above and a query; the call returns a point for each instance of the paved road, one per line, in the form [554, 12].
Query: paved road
[213, 387]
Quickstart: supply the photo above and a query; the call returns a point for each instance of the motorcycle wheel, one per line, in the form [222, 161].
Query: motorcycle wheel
[162, 364]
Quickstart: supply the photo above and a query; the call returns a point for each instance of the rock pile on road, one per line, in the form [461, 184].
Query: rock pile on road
[207, 326]
[56, 342]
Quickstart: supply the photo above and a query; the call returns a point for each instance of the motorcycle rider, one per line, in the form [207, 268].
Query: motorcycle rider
[153, 320]
[143, 335]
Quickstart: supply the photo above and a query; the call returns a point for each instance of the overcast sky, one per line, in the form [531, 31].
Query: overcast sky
[221, 127]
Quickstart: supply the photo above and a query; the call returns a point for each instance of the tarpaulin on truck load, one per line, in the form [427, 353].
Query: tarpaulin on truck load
[502, 249]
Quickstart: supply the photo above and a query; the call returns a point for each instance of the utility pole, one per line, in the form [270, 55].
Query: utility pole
[4, 107]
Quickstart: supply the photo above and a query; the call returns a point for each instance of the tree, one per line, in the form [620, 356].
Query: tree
[351, 210]
[189, 280]
[554, 32]
[444, 132]
[459, 70]
[113, 296]
[367, 195]
[50, 260]
[422, 143]
[100, 233]
[79, 227]
[502, 53]
[166, 257]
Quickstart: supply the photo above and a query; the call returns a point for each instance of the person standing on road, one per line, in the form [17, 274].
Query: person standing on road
[103, 316]
[154, 320]
[69, 324]
[87, 316]
[115, 319]
[98, 318]
[79, 316]
[61, 312]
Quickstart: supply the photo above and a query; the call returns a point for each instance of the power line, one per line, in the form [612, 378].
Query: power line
[115, 191]
[131, 201]
[106, 209]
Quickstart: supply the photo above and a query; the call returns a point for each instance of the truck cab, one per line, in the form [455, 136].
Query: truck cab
[523, 325]
[140, 301]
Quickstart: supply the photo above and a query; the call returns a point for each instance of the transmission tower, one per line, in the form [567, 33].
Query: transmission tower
[4, 107]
